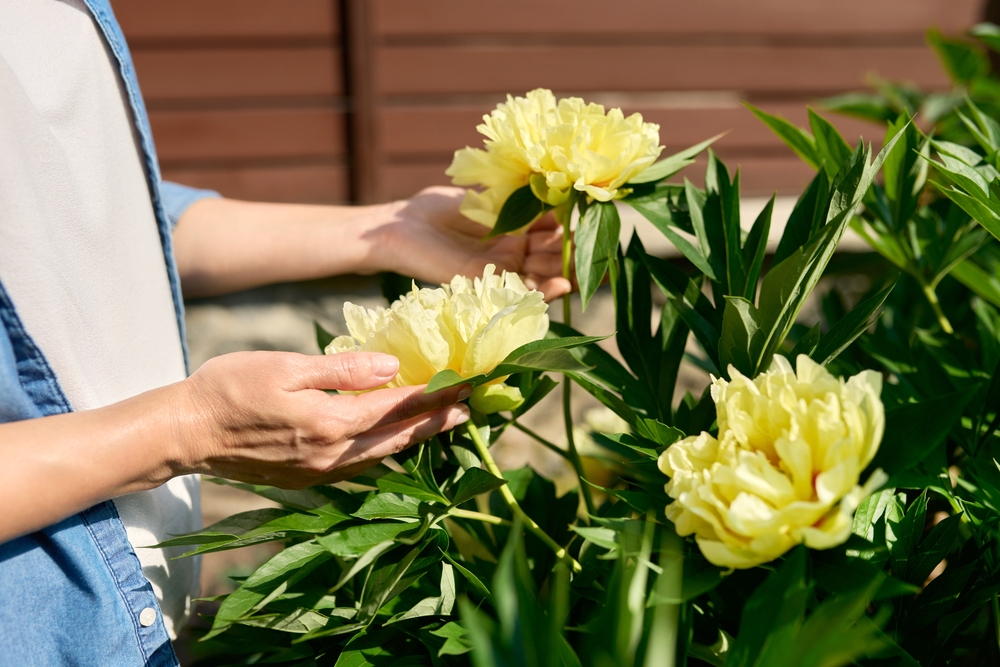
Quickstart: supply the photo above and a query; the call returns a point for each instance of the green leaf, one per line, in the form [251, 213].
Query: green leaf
[669, 166]
[977, 210]
[356, 540]
[933, 548]
[474, 482]
[434, 606]
[914, 430]
[657, 212]
[596, 244]
[299, 621]
[740, 326]
[547, 354]
[755, 248]
[963, 61]
[867, 106]
[903, 531]
[456, 639]
[395, 482]
[988, 34]
[304, 499]
[849, 328]
[806, 218]
[388, 506]
[520, 210]
[323, 337]
[474, 581]
[277, 574]
[797, 139]
[830, 145]
[254, 527]
[774, 614]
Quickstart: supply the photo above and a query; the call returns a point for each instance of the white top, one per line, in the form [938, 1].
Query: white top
[80, 254]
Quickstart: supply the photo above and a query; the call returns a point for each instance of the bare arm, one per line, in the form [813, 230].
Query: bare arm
[259, 417]
[223, 245]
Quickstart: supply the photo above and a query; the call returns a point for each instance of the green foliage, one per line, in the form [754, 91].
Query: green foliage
[433, 558]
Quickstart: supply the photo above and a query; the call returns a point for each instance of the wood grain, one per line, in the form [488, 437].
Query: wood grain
[314, 184]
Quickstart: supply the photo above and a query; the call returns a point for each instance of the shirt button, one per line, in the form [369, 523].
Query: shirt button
[147, 617]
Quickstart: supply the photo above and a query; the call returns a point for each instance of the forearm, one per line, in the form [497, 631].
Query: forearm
[225, 245]
[53, 467]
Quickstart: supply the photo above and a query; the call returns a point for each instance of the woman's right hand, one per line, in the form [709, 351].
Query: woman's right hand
[266, 417]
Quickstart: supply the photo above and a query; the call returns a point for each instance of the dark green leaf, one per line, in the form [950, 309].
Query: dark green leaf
[848, 329]
[354, 541]
[796, 139]
[474, 482]
[323, 337]
[830, 145]
[395, 482]
[669, 166]
[755, 248]
[520, 210]
[596, 243]
[914, 430]
[388, 506]
[964, 61]
[806, 218]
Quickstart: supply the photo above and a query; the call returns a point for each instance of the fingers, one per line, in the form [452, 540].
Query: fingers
[542, 265]
[387, 407]
[553, 288]
[349, 371]
[390, 439]
[545, 241]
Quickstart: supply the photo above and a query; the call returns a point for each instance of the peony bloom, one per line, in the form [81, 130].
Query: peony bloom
[553, 146]
[468, 326]
[785, 468]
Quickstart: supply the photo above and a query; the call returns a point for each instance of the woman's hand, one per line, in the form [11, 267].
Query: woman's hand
[266, 417]
[261, 417]
[426, 237]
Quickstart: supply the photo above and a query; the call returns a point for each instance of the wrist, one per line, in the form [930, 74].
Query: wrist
[376, 229]
[188, 428]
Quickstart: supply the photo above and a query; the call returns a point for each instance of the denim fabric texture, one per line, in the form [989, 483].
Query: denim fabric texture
[72, 594]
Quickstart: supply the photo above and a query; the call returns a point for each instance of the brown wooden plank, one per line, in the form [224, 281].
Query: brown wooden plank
[183, 136]
[314, 184]
[441, 70]
[227, 19]
[759, 175]
[435, 130]
[672, 17]
[186, 74]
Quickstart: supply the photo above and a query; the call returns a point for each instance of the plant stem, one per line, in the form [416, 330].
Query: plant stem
[511, 501]
[478, 516]
[564, 214]
[936, 307]
[542, 441]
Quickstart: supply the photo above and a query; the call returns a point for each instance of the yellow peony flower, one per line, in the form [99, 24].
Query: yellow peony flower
[553, 146]
[785, 468]
[468, 326]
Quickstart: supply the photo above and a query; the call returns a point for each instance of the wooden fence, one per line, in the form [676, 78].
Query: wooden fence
[365, 100]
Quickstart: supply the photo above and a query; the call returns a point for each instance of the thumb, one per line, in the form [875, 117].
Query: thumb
[349, 371]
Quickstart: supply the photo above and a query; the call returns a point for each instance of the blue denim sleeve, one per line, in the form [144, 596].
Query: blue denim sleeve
[177, 198]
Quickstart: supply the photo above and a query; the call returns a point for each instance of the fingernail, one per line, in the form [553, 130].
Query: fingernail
[462, 418]
[385, 366]
[465, 393]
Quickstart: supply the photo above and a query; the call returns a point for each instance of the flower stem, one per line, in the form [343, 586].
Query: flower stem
[478, 516]
[511, 501]
[936, 307]
[564, 214]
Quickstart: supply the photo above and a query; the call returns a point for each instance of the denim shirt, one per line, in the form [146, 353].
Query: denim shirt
[73, 593]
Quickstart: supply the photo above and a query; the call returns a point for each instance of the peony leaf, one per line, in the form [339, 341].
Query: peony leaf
[596, 243]
[395, 482]
[830, 145]
[323, 337]
[849, 328]
[914, 430]
[356, 540]
[669, 166]
[388, 506]
[474, 482]
[520, 210]
[254, 527]
[797, 139]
